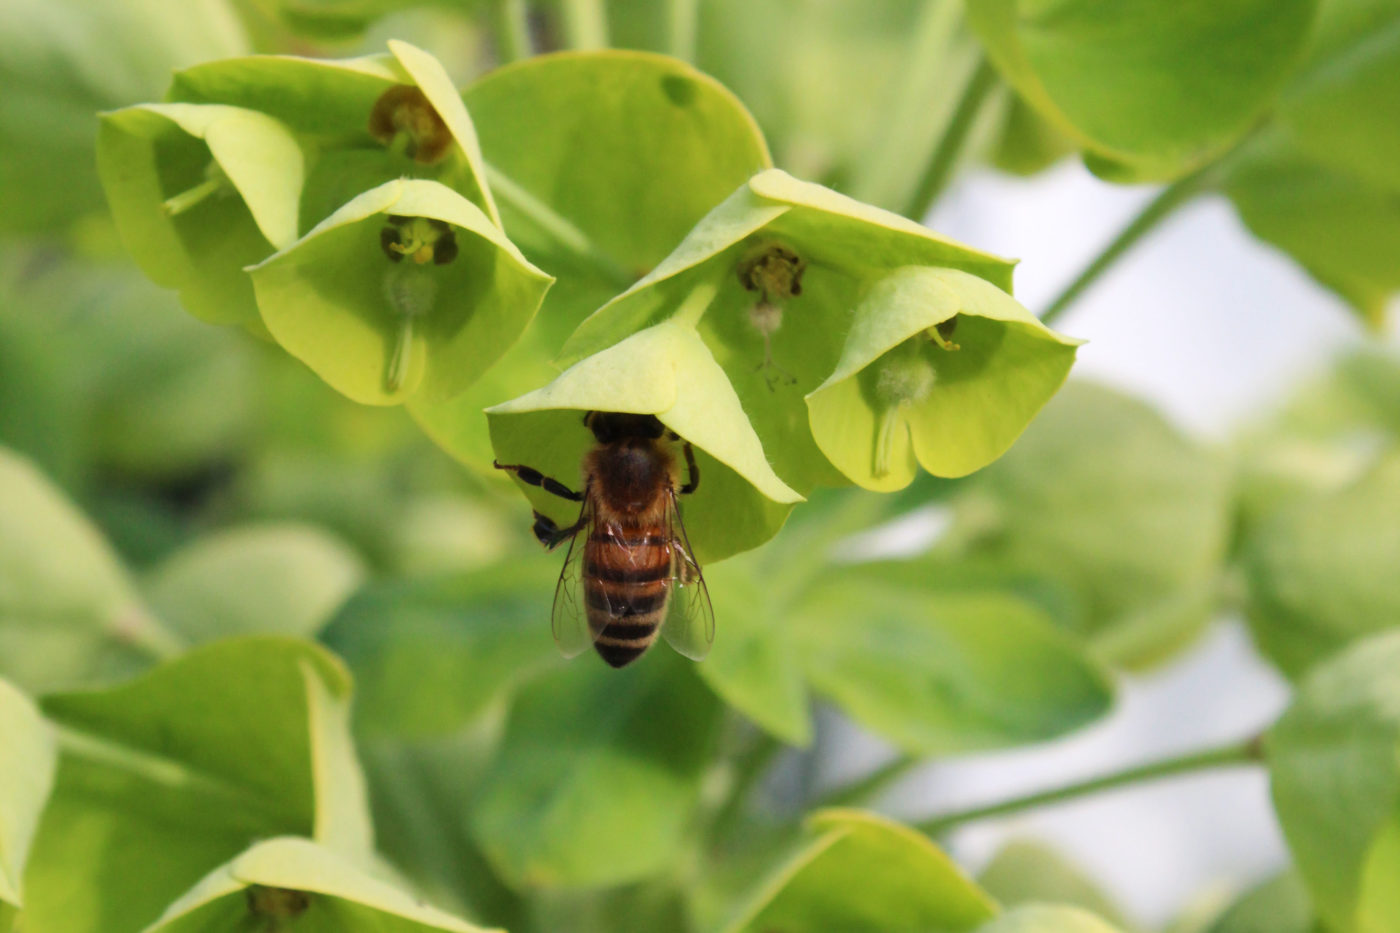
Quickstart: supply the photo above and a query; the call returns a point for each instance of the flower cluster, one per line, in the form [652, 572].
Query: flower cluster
[338, 207]
[794, 336]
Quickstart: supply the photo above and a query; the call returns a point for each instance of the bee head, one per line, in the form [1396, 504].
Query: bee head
[610, 427]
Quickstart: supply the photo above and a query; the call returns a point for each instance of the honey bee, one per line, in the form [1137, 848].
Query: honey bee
[636, 574]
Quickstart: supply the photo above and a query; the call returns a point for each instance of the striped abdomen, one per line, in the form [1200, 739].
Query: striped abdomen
[627, 585]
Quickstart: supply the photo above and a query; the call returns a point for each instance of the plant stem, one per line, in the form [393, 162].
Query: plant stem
[560, 228]
[1161, 207]
[749, 767]
[1239, 753]
[585, 24]
[135, 627]
[864, 790]
[680, 38]
[177, 204]
[950, 146]
[511, 25]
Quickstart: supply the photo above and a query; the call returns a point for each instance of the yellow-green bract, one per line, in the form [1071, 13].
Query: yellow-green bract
[667, 371]
[330, 103]
[198, 192]
[802, 368]
[330, 298]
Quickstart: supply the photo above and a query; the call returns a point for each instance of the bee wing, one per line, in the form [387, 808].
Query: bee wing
[568, 619]
[690, 623]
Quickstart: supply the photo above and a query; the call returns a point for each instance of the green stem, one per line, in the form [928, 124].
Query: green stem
[681, 22]
[137, 628]
[402, 355]
[168, 773]
[693, 307]
[949, 150]
[559, 228]
[749, 767]
[511, 25]
[190, 197]
[1240, 753]
[585, 24]
[865, 790]
[1160, 208]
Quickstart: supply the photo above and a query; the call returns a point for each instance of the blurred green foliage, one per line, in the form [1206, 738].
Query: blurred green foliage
[205, 551]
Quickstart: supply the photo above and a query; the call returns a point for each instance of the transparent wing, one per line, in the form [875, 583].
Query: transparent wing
[690, 623]
[569, 620]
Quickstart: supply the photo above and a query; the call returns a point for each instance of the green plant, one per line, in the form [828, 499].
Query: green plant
[269, 660]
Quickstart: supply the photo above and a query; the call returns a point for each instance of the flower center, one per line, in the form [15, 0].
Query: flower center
[404, 120]
[774, 270]
[411, 288]
[215, 183]
[904, 376]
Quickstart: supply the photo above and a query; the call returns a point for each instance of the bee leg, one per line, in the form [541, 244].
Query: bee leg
[550, 534]
[694, 471]
[536, 478]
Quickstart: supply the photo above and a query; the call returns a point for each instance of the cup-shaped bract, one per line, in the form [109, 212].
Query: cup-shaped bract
[940, 368]
[197, 193]
[667, 371]
[365, 120]
[407, 289]
[772, 279]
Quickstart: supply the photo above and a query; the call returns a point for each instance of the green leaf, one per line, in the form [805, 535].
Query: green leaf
[978, 397]
[1328, 435]
[63, 60]
[1028, 143]
[1103, 495]
[861, 872]
[28, 756]
[284, 579]
[421, 793]
[429, 656]
[602, 162]
[1154, 86]
[1323, 184]
[753, 663]
[68, 612]
[941, 673]
[853, 96]
[198, 192]
[331, 102]
[1334, 769]
[1026, 872]
[668, 371]
[379, 326]
[1321, 571]
[1343, 229]
[167, 776]
[626, 148]
[1352, 72]
[1279, 905]
[149, 393]
[295, 884]
[1047, 918]
[598, 775]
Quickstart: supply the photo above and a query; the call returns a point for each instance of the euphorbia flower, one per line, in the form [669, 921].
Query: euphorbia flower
[797, 289]
[408, 289]
[199, 191]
